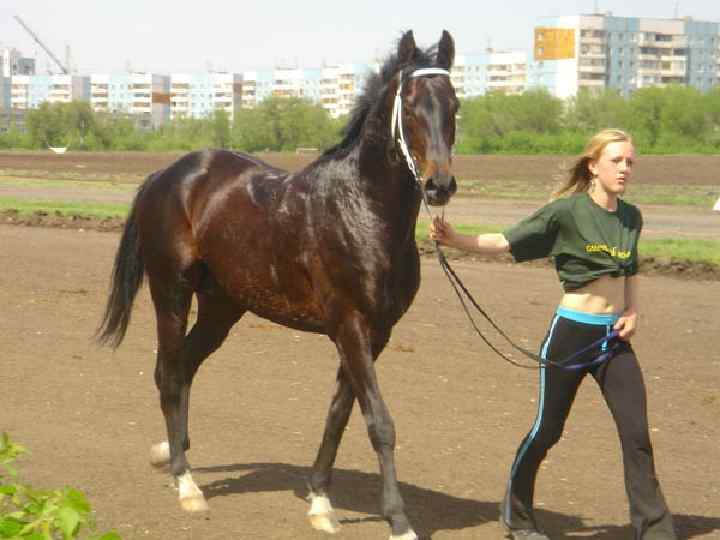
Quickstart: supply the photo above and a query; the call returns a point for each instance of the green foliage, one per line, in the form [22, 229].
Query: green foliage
[671, 120]
[27, 513]
[282, 124]
[61, 124]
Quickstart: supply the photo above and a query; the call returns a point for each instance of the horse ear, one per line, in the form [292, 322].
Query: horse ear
[446, 50]
[406, 48]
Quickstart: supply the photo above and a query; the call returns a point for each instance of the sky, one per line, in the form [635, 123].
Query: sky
[240, 35]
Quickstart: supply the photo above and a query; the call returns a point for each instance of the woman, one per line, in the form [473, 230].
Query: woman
[592, 234]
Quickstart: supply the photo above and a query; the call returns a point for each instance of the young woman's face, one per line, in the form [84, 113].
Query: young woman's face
[612, 170]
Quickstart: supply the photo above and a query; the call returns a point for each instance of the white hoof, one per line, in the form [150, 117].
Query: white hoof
[321, 514]
[409, 535]
[194, 505]
[191, 498]
[160, 454]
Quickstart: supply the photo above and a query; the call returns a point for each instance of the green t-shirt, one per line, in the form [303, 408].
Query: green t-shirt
[586, 240]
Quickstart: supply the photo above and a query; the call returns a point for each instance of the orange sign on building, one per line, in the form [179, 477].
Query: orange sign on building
[554, 43]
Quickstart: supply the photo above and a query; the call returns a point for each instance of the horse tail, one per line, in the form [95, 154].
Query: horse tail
[126, 278]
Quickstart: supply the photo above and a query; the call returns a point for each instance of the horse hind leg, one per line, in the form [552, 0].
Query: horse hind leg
[179, 358]
[321, 514]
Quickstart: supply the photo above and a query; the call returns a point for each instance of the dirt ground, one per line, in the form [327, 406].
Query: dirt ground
[89, 415]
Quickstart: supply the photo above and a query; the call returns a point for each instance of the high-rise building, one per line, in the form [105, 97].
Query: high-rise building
[145, 96]
[12, 62]
[198, 95]
[504, 72]
[624, 53]
[29, 91]
[341, 85]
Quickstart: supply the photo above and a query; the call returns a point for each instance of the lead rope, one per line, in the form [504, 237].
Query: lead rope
[455, 281]
[457, 285]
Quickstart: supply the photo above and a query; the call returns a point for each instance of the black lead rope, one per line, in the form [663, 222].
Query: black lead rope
[458, 286]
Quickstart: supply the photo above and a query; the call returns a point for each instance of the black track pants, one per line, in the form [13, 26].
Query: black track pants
[621, 382]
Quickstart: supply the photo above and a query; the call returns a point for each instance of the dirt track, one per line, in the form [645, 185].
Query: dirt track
[90, 415]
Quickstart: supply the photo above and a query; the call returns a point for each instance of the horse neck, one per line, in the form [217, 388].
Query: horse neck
[384, 169]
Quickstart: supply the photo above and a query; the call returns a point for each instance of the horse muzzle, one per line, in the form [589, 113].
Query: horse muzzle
[439, 189]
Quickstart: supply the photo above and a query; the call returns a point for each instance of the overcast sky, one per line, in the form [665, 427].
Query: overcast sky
[238, 35]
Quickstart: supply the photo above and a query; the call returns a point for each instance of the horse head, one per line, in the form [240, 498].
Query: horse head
[423, 120]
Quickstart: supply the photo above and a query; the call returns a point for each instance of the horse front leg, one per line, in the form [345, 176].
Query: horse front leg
[355, 342]
[322, 516]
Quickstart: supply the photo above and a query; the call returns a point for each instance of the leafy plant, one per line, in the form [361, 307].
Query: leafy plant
[27, 513]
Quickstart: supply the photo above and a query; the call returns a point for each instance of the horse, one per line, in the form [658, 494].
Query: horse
[329, 249]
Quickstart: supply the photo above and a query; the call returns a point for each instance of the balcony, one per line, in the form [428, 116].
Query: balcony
[673, 72]
[672, 58]
[591, 83]
[592, 41]
[680, 41]
[595, 55]
[592, 69]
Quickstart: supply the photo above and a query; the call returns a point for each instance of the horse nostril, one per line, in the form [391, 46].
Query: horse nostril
[453, 185]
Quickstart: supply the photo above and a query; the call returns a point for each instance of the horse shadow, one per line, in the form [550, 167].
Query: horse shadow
[429, 511]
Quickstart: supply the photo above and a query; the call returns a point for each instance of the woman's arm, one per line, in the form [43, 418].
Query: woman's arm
[626, 325]
[485, 244]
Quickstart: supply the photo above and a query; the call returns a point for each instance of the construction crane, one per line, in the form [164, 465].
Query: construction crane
[64, 69]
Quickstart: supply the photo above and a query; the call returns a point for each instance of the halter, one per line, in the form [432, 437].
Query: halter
[396, 121]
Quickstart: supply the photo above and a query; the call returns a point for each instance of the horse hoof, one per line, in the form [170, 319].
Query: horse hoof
[325, 522]
[160, 454]
[409, 535]
[194, 504]
[322, 517]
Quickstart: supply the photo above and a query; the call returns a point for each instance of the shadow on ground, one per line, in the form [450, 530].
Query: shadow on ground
[429, 511]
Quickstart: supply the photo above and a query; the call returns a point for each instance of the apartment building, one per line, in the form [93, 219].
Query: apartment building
[492, 71]
[145, 96]
[341, 85]
[624, 53]
[198, 95]
[29, 91]
[12, 62]
[256, 86]
[4, 93]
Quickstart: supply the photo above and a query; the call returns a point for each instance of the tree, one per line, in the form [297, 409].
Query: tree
[221, 129]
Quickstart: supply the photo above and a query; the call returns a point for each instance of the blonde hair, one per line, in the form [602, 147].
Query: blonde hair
[580, 177]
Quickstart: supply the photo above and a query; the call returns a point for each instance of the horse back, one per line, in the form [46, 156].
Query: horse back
[244, 223]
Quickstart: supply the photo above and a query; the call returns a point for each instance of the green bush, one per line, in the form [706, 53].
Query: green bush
[27, 513]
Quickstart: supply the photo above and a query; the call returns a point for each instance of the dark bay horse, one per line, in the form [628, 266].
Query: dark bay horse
[330, 249]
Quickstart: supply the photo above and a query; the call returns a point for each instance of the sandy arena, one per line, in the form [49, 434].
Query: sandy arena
[89, 415]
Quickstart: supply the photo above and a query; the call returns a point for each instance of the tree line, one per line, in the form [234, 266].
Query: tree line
[671, 120]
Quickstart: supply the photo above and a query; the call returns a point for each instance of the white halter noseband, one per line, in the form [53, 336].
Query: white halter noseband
[396, 122]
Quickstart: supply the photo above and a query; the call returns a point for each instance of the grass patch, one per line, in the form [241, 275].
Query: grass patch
[695, 251]
[704, 251]
[52, 183]
[684, 250]
[421, 229]
[65, 208]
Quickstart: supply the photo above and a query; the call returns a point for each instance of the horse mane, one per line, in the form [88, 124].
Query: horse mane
[375, 85]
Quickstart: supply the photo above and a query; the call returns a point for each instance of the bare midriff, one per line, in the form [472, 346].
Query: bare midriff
[604, 295]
